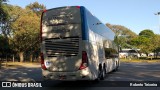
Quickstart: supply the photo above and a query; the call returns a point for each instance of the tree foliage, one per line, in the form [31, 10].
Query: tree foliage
[3, 14]
[5, 49]
[147, 41]
[142, 43]
[4, 17]
[124, 35]
[147, 33]
[36, 7]
[121, 30]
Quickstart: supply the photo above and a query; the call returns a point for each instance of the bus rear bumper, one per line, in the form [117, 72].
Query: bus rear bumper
[83, 74]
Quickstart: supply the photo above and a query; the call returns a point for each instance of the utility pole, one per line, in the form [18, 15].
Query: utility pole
[158, 13]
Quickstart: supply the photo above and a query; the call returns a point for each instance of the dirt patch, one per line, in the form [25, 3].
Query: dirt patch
[19, 64]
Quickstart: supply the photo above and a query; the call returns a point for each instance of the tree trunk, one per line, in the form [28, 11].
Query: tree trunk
[6, 60]
[21, 56]
[13, 58]
[0, 63]
[31, 58]
[156, 54]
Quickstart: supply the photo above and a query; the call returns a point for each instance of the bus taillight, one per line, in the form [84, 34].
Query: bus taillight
[44, 10]
[84, 63]
[42, 62]
[78, 6]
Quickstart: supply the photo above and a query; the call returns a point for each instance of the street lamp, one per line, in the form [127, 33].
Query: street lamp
[158, 13]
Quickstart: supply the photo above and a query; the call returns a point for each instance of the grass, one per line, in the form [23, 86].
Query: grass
[140, 60]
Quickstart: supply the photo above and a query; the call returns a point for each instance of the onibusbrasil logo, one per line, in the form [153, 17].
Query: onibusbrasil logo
[20, 84]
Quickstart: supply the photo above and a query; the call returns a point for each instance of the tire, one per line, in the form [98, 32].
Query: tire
[101, 74]
[116, 69]
[98, 77]
[104, 68]
[117, 66]
[104, 75]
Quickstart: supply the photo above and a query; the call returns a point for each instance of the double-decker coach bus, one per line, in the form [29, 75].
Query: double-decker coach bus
[75, 45]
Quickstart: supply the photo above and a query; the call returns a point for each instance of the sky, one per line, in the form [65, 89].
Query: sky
[136, 15]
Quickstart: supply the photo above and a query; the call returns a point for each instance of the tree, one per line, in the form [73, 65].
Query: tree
[20, 28]
[25, 32]
[146, 41]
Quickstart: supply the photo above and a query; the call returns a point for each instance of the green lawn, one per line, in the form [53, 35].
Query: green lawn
[140, 60]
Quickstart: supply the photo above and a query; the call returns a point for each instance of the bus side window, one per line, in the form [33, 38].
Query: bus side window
[110, 53]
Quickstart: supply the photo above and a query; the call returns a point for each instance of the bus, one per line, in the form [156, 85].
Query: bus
[75, 45]
[131, 53]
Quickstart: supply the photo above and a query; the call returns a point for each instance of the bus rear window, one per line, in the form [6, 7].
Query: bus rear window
[64, 22]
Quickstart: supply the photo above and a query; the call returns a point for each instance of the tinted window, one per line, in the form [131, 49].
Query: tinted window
[111, 53]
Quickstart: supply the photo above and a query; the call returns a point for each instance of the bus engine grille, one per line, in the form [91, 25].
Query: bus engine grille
[66, 46]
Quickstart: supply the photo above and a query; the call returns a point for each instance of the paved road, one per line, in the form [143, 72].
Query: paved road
[22, 72]
[136, 72]
[126, 72]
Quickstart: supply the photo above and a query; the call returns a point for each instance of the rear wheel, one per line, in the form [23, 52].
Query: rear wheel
[102, 73]
[104, 68]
